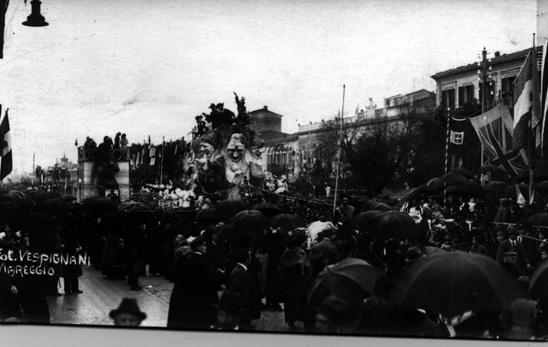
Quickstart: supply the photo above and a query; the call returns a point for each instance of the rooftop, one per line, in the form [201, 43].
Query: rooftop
[495, 61]
[264, 110]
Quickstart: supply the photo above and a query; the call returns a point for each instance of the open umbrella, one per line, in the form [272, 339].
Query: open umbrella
[363, 219]
[417, 192]
[469, 187]
[98, 206]
[352, 279]
[543, 185]
[453, 178]
[56, 207]
[286, 222]
[208, 216]
[228, 208]
[268, 209]
[392, 225]
[456, 282]
[434, 184]
[496, 187]
[540, 219]
[375, 205]
[250, 223]
[463, 171]
[538, 284]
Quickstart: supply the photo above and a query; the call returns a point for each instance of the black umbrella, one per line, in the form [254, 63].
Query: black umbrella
[418, 191]
[363, 219]
[456, 282]
[539, 219]
[393, 225]
[463, 171]
[98, 206]
[434, 184]
[228, 208]
[538, 284]
[469, 187]
[496, 187]
[250, 223]
[56, 207]
[351, 279]
[453, 178]
[286, 222]
[208, 216]
[543, 185]
[268, 209]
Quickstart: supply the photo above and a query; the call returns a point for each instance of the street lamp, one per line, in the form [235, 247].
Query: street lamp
[35, 19]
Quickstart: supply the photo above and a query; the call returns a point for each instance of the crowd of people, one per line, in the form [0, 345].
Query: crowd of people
[230, 261]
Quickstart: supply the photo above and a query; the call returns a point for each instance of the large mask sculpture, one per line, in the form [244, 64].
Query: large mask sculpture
[238, 163]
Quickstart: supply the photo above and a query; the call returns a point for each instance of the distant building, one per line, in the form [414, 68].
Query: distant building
[265, 120]
[420, 101]
[280, 155]
[461, 85]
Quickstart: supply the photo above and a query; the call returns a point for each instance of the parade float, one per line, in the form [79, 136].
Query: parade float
[228, 153]
[103, 171]
[223, 158]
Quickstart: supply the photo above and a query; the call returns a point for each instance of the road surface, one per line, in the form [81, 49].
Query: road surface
[101, 295]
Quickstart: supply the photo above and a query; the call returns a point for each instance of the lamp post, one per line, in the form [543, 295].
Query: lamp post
[35, 19]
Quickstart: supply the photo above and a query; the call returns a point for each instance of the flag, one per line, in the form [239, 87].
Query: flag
[494, 130]
[455, 143]
[543, 94]
[6, 164]
[152, 155]
[525, 109]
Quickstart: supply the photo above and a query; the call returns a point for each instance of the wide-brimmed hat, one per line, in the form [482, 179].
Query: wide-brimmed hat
[128, 305]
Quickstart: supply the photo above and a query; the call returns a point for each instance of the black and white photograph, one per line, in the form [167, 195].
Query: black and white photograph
[359, 168]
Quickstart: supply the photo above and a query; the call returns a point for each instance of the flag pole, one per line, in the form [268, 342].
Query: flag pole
[162, 160]
[447, 134]
[534, 114]
[339, 154]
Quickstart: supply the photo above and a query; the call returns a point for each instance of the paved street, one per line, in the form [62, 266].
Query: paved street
[101, 295]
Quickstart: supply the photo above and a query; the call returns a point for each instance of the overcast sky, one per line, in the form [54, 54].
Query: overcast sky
[148, 67]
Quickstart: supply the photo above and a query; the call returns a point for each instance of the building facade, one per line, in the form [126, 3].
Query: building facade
[457, 87]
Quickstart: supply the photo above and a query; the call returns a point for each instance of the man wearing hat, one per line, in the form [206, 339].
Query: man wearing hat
[127, 314]
[242, 284]
[511, 251]
[194, 294]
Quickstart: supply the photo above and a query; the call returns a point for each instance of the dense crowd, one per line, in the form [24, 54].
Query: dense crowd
[230, 261]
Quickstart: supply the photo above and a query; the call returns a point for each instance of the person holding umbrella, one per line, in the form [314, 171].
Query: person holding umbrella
[241, 283]
[194, 294]
[293, 271]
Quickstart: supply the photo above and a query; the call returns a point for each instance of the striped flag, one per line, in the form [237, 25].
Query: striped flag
[525, 107]
[543, 93]
[5, 148]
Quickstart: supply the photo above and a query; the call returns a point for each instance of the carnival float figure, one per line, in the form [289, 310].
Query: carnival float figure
[229, 152]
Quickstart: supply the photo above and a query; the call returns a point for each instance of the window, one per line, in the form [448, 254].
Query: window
[466, 95]
[448, 99]
[507, 90]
